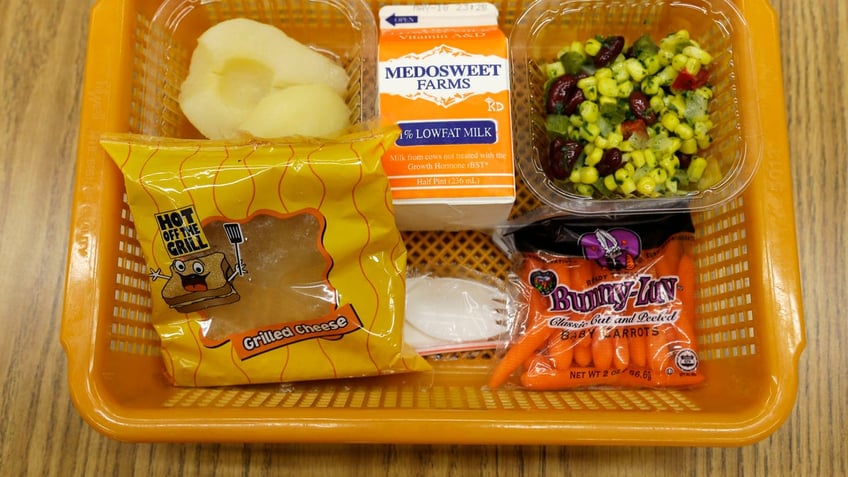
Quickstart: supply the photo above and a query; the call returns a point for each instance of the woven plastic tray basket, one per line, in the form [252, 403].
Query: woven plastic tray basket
[750, 322]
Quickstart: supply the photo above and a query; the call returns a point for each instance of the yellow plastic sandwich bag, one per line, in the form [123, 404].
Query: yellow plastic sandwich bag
[269, 261]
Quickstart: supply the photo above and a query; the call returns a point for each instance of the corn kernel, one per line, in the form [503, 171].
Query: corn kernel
[674, 145]
[584, 190]
[622, 174]
[665, 57]
[610, 183]
[693, 66]
[652, 65]
[689, 146]
[705, 142]
[602, 73]
[635, 69]
[602, 142]
[588, 175]
[638, 158]
[554, 70]
[667, 75]
[577, 46]
[705, 92]
[696, 168]
[624, 89]
[695, 52]
[617, 67]
[702, 128]
[684, 131]
[574, 177]
[608, 87]
[607, 101]
[614, 139]
[584, 83]
[589, 86]
[590, 131]
[650, 158]
[678, 62]
[670, 121]
[657, 103]
[592, 46]
[627, 186]
[589, 111]
[651, 85]
[594, 156]
[659, 175]
[671, 185]
[670, 163]
[677, 104]
[646, 186]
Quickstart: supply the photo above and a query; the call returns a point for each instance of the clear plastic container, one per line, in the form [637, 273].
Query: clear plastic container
[546, 26]
[344, 30]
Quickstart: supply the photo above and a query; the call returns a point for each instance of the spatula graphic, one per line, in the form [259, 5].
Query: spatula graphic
[236, 238]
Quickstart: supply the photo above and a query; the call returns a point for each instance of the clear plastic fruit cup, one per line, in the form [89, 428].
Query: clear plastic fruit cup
[546, 26]
[343, 30]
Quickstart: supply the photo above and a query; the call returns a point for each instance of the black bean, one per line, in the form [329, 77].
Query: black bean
[562, 156]
[559, 93]
[640, 106]
[611, 48]
[639, 102]
[571, 105]
[610, 162]
[685, 160]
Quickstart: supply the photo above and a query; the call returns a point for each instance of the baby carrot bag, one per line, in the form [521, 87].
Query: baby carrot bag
[602, 302]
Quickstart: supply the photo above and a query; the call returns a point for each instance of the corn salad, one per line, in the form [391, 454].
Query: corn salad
[630, 122]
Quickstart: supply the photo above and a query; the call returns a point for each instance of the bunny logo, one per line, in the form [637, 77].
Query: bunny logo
[614, 249]
[543, 281]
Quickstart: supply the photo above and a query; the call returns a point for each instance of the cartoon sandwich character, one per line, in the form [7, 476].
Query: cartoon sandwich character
[203, 279]
[200, 282]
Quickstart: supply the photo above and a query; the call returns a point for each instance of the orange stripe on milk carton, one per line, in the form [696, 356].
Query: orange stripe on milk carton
[443, 77]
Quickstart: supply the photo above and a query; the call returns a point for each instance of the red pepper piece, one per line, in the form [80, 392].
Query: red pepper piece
[634, 126]
[686, 81]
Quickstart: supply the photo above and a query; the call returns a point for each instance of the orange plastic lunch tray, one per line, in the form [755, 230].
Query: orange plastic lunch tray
[751, 332]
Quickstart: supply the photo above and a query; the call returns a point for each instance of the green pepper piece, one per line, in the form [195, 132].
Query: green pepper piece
[572, 61]
[644, 47]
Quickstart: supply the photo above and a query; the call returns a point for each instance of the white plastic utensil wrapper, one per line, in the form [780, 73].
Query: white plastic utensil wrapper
[447, 314]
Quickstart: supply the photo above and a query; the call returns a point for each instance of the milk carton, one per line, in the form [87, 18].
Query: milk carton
[443, 77]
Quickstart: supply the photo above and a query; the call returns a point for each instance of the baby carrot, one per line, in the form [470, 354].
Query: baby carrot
[539, 363]
[621, 357]
[602, 350]
[687, 297]
[583, 352]
[669, 256]
[581, 275]
[518, 353]
[561, 351]
[638, 347]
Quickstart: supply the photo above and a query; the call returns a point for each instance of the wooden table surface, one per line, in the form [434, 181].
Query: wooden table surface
[43, 45]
